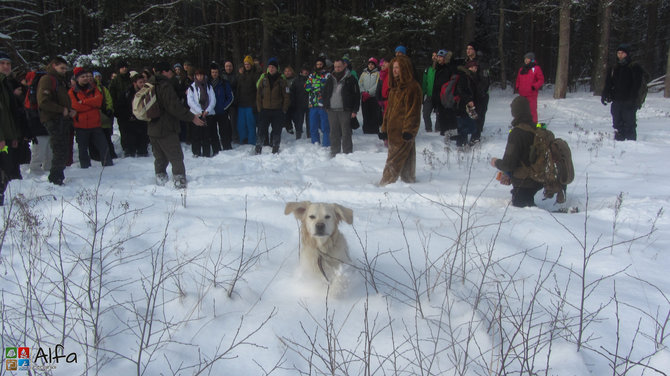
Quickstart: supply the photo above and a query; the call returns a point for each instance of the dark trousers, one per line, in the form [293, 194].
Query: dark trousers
[481, 116]
[168, 150]
[524, 196]
[445, 120]
[266, 118]
[624, 120]
[59, 135]
[427, 110]
[124, 128]
[232, 116]
[201, 144]
[372, 116]
[220, 132]
[95, 136]
[299, 117]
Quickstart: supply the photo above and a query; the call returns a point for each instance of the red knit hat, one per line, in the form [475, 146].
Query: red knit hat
[78, 71]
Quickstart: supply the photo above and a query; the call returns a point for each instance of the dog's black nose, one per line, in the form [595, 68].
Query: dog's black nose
[320, 228]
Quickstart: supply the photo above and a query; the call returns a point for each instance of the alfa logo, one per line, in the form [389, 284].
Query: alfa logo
[18, 358]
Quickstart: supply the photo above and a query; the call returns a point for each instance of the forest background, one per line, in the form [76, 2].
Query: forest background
[573, 40]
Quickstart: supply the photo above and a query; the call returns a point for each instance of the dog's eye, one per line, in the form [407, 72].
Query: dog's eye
[312, 217]
[327, 217]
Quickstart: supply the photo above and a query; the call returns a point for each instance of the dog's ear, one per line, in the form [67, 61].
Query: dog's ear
[297, 208]
[344, 214]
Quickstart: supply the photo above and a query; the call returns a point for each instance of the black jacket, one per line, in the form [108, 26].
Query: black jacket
[351, 93]
[623, 81]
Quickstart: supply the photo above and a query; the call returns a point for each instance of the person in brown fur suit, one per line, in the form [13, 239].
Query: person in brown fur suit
[401, 123]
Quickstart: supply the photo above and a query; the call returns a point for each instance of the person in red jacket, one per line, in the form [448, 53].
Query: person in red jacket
[529, 80]
[87, 100]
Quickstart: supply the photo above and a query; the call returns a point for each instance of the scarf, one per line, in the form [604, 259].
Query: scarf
[204, 97]
[526, 68]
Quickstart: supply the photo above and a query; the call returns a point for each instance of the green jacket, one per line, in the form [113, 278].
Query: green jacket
[52, 95]
[107, 106]
[428, 81]
[9, 129]
[172, 109]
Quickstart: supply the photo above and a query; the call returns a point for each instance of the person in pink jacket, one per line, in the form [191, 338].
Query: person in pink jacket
[529, 80]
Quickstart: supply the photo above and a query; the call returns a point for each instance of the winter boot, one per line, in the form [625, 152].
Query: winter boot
[161, 178]
[180, 181]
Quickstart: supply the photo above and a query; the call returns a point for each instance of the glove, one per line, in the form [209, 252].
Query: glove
[383, 136]
[603, 100]
[407, 136]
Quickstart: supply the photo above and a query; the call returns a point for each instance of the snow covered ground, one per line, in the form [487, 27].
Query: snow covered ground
[447, 279]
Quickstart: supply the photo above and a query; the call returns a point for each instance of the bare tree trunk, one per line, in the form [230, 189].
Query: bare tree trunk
[469, 24]
[561, 86]
[267, 22]
[600, 68]
[234, 31]
[666, 94]
[652, 37]
[501, 49]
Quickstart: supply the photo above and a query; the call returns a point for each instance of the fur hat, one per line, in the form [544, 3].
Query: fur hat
[373, 61]
[401, 49]
[625, 47]
[529, 55]
[248, 59]
[4, 56]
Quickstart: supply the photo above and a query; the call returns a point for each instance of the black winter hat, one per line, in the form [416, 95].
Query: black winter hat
[474, 45]
[214, 66]
[625, 47]
[4, 56]
[162, 66]
[121, 64]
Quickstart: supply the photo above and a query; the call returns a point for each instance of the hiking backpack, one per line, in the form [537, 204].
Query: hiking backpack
[447, 96]
[644, 85]
[550, 162]
[30, 103]
[145, 103]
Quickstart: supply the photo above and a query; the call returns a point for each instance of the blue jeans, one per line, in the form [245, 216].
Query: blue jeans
[246, 125]
[466, 126]
[318, 120]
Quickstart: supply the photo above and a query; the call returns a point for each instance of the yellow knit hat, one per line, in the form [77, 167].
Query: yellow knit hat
[248, 59]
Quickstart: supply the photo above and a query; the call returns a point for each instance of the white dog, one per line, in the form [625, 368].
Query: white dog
[324, 249]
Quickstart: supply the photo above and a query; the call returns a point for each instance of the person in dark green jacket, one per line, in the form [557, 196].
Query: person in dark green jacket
[56, 114]
[427, 88]
[164, 130]
[517, 155]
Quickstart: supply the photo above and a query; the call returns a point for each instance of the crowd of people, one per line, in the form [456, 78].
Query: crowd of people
[213, 108]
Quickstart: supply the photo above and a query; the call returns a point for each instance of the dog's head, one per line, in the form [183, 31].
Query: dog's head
[320, 219]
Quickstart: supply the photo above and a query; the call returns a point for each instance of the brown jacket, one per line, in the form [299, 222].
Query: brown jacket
[403, 111]
[52, 95]
[272, 96]
[172, 109]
